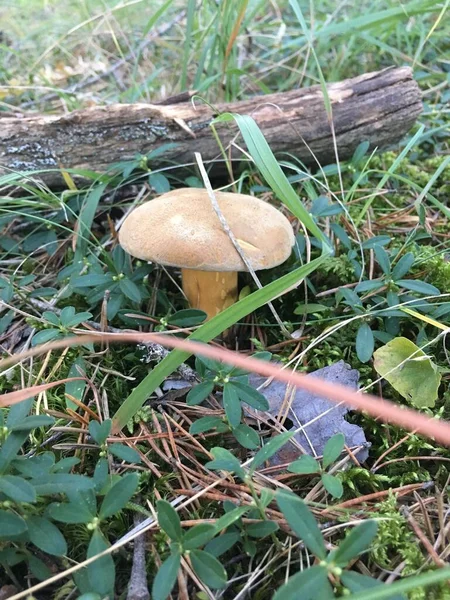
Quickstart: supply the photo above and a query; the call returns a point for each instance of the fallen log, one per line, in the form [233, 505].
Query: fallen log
[378, 107]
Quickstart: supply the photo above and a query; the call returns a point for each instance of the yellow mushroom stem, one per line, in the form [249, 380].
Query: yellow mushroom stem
[210, 291]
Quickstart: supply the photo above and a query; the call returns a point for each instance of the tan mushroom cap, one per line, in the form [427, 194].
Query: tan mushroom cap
[182, 229]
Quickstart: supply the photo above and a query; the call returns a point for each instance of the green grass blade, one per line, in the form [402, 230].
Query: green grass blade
[388, 174]
[378, 19]
[152, 21]
[405, 585]
[271, 171]
[86, 218]
[206, 333]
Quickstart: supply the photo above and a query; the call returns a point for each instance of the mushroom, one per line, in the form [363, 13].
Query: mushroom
[182, 229]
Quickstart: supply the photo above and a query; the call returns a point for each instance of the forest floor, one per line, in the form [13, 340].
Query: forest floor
[112, 440]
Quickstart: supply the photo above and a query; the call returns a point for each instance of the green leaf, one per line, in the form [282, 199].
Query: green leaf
[119, 495]
[369, 285]
[305, 465]
[215, 366]
[199, 535]
[11, 447]
[225, 461]
[29, 423]
[410, 372]
[65, 464]
[78, 318]
[403, 266]
[100, 431]
[17, 488]
[46, 536]
[333, 485]
[246, 436]
[159, 183]
[130, 290]
[266, 497]
[356, 582]
[231, 517]
[310, 308]
[51, 317]
[383, 259]
[86, 218]
[35, 466]
[6, 320]
[302, 522]
[38, 568]
[418, 286]
[222, 543]
[169, 521]
[376, 240]
[199, 392]
[76, 388]
[102, 572]
[124, 453]
[100, 474]
[356, 542]
[45, 336]
[86, 499]
[91, 280]
[189, 317]
[333, 449]
[70, 513]
[60, 483]
[270, 449]
[166, 577]
[11, 524]
[308, 582]
[407, 584]
[43, 292]
[251, 396]
[365, 343]
[208, 569]
[205, 424]
[359, 153]
[18, 412]
[231, 404]
[67, 313]
[261, 530]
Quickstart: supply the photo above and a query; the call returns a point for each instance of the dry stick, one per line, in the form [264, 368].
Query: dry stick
[401, 491]
[137, 588]
[422, 537]
[230, 234]
[382, 409]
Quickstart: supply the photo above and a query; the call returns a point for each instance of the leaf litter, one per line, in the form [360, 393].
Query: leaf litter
[318, 417]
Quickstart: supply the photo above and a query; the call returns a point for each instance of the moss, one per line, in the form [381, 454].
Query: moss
[395, 543]
[435, 265]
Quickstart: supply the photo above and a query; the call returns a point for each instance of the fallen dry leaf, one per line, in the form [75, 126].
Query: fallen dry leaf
[321, 417]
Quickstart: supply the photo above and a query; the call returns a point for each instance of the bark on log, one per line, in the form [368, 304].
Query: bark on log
[379, 107]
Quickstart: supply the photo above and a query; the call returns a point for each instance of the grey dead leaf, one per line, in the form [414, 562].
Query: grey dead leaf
[321, 417]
